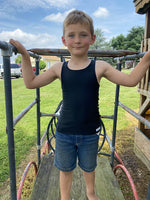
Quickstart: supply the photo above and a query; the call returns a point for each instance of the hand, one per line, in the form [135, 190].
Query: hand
[20, 48]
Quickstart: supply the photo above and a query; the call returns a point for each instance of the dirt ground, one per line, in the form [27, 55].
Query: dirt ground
[138, 171]
[125, 149]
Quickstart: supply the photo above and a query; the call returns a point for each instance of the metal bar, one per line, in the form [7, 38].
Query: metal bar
[91, 52]
[137, 116]
[9, 129]
[7, 46]
[148, 192]
[49, 115]
[42, 138]
[115, 118]
[109, 141]
[131, 57]
[38, 116]
[107, 116]
[33, 55]
[20, 116]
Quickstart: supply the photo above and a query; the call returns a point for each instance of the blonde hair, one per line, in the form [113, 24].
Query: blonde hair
[77, 16]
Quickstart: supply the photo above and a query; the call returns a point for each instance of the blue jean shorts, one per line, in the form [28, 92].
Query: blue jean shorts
[69, 148]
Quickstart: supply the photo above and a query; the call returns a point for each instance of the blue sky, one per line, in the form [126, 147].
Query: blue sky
[38, 23]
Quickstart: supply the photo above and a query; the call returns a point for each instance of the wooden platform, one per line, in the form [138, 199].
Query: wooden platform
[46, 186]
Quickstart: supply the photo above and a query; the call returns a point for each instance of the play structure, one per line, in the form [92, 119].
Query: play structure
[142, 132]
[46, 186]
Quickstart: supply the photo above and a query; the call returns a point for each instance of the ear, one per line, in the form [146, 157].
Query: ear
[93, 38]
[63, 40]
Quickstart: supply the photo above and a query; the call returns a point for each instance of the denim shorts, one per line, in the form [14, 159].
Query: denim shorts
[69, 148]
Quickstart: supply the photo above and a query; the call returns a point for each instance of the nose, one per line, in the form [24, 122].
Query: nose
[77, 39]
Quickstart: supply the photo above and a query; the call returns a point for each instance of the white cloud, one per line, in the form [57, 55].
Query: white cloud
[25, 4]
[29, 40]
[58, 17]
[101, 12]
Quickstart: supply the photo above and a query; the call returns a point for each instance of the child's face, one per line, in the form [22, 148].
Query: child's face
[78, 38]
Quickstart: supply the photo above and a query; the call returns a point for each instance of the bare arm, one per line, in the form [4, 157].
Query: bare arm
[32, 81]
[121, 78]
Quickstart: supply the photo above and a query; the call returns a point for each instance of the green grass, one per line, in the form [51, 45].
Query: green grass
[25, 130]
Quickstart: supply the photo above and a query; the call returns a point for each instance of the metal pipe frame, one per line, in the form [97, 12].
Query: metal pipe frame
[6, 51]
[115, 118]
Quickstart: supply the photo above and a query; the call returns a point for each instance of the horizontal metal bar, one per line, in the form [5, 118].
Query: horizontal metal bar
[131, 57]
[137, 116]
[33, 55]
[17, 119]
[91, 52]
[107, 116]
[49, 115]
[7, 46]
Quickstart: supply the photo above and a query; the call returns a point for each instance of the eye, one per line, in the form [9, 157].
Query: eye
[83, 35]
[71, 35]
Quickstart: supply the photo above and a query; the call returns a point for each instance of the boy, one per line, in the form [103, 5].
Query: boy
[78, 125]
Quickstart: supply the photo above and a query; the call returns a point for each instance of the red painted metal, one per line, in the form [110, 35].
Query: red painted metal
[24, 177]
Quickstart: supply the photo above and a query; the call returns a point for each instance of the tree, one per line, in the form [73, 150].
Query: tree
[100, 42]
[131, 42]
[42, 64]
[18, 59]
[119, 42]
[134, 38]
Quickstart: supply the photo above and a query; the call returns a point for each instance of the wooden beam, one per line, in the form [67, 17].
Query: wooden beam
[144, 107]
[147, 25]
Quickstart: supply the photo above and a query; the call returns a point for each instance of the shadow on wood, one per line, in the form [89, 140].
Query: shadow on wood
[46, 186]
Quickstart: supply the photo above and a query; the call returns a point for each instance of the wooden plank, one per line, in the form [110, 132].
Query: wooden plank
[46, 186]
[144, 93]
[141, 156]
[107, 187]
[78, 189]
[147, 22]
[146, 80]
[143, 142]
[144, 106]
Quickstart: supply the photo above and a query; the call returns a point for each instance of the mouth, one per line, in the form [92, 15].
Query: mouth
[77, 47]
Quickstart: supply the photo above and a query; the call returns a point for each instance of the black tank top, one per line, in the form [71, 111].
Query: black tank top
[80, 112]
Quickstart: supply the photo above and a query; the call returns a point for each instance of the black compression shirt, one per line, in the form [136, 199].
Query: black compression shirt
[79, 113]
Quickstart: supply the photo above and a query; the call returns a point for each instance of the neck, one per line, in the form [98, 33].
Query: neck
[78, 63]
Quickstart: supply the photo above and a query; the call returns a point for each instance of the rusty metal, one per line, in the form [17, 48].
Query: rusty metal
[91, 52]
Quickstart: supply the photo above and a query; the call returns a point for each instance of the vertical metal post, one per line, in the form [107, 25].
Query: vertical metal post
[9, 118]
[38, 116]
[115, 117]
[148, 192]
